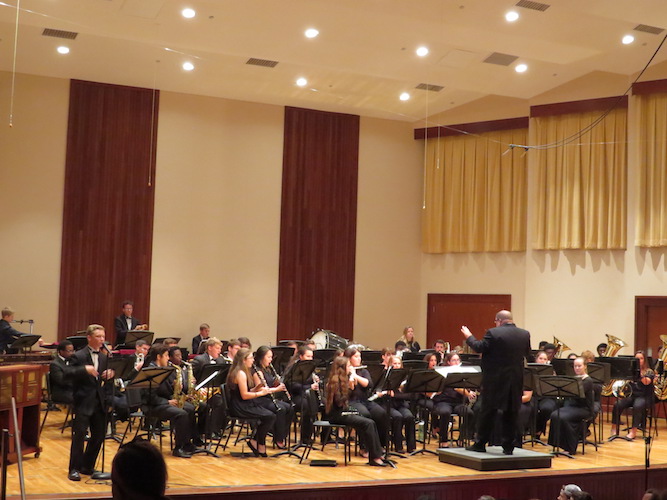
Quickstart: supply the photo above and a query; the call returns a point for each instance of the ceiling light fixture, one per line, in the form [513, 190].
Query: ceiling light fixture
[302, 82]
[404, 96]
[521, 68]
[188, 66]
[311, 33]
[511, 16]
[422, 51]
[628, 39]
[188, 13]
[63, 50]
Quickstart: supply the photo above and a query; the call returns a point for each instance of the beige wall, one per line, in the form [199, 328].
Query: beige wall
[32, 162]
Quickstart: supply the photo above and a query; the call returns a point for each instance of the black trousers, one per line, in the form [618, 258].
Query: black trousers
[85, 460]
[365, 427]
[638, 404]
[284, 415]
[444, 412]
[403, 417]
[374, 411]
[182, 421]
[486, 420]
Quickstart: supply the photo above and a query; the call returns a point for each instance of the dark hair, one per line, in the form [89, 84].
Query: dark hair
[430, 355]
[155, 351]
[548, 346]
[245, 340]
[400, 343]
[127, 303]
[173, 349]
[449, 356]
[350, 351]
[338, 383]
[439, 341]
[261, 353]
[63, 345]
[138, 472]
[140, 342]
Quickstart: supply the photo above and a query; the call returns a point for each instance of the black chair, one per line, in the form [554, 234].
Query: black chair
[250, 423]
[153, 427]
[325, 427]
[52, 405]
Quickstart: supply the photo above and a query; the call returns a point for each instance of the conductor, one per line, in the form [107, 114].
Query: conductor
[503, 351]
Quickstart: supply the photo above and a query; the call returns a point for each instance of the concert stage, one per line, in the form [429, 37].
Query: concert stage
[615, 472]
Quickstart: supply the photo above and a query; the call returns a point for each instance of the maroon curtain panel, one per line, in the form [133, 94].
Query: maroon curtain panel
[108, 209]
[318, 223]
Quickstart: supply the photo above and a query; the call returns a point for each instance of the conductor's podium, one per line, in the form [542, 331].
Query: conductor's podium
[24, 383]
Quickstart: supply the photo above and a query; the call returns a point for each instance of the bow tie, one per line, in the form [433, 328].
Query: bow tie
[95, 352]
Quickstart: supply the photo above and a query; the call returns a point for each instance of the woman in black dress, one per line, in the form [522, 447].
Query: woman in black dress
[641, 397]
[243, 399]
[339, 388]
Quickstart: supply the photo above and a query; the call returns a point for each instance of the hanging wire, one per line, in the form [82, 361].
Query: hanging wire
[16, 39]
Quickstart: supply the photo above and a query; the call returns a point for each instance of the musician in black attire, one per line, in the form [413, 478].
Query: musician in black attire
[210, 357]
[453, 402]
[126, 322]
[298, 391]
[504, 350]
[401, 416]
[265, 375]
[204, 332]
[62, 390]
[361, 384]
[88, 372]
[160, 403]
[642, 396]
[340, 411]
[7, 333]
[566, 422]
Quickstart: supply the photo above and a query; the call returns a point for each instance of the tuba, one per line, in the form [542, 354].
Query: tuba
[661, 381]
[560, 347]
[614, 344]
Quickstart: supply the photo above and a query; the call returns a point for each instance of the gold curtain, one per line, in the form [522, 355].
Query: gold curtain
[581, 186]
[652, 209]
[474, 195]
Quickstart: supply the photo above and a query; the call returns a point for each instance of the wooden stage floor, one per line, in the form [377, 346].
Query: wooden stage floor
[615, 471]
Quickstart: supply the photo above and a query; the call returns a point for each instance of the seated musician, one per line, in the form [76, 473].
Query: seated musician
[266, 375]
[409, 338]
[203, 403]
[399, 347]
[642, 396]
[387, 357]
[601, 349]
[588, 356]
[126, 322]
[565, 428]
[204, 333]
[453, 402]
[245, 343]
[233, 347]
[61, 386]
[7, 333]
[339, 410]
[138, 358]
[210, 357]
[165, 403]
[401, 416]
[439, 347]
[550, 350]
[298, 391]
[544, 406]
[244, 400]
[432, 360]
[361, 383]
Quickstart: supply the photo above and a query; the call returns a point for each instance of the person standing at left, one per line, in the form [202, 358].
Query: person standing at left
[88, 371]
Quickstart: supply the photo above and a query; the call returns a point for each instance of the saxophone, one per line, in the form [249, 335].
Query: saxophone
[178, 394]
[661, 381]
[194, 396]
[614, 344]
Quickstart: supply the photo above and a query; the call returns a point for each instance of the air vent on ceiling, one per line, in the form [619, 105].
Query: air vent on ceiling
[69, 35]
[501, 59]
[649, 29]
[529, 4]
[429, 86]
[262, 62]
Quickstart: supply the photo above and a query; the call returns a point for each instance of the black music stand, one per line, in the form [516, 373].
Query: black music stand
[462, 380]
[134, 335]
[299, 373]
[415, 364]
[78, 341]
[122, 366]
[557, 386]
[281, 356]
[377, 373]
[531, 374]
[25, 342]
[324, 356]
[622, 368]
[149, 378]
[391, 381]
[563, 366]
[369, 356]
[412, 356]
[212, 377]
[423, 381]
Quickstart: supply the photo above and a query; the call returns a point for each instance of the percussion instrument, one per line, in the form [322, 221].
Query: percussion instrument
[326, 339]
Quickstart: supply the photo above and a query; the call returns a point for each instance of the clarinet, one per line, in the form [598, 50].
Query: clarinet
[280, 381]
[259, 373]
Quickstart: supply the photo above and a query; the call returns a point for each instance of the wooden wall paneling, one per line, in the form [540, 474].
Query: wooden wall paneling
[108, 209]
[650, 323]
[318, 223]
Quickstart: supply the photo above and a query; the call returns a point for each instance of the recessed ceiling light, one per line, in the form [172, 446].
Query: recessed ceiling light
[404, 96]
[511, 16]
[422, 51]
[311, 33]
[628, 39]
[63, 50]
[188, 13]
[188, 66]
[521, 68]
[302, 82]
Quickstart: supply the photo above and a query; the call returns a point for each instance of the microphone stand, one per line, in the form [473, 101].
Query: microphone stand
[101, 475]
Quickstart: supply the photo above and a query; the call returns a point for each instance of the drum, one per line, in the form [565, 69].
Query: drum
[324, 339]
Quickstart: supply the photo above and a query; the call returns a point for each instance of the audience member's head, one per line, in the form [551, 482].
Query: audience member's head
[567, 491]
[581, 495]
[138, 472]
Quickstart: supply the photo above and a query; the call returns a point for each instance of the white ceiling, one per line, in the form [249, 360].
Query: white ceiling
[362, 61]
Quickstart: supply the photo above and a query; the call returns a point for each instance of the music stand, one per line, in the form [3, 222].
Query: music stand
[412, 356]
[391, 381]
[531, 374]
[424, 352]
[122, 366]
[423, 381]
[377, 372]
[78, 341]
[324, 356]
[464, 378]
[212, 376]
[371, 357]
[557, 386]
[621, 368]
[281, 356]
[134, 335]
[25, 342]
[563, 366]
[299, 373]
[415, 364]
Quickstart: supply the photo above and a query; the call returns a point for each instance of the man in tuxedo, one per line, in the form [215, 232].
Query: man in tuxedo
[7, 333]
[210, 357]
[439, 347]
[60, 384]
[504, 349]
[204, 333]
[126, 322]
[88, 371]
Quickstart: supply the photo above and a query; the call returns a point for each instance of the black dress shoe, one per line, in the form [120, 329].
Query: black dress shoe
[86, 472]
[198, 442]
[74, 475]
[181, 453]
[508, 451]
[375, 464]
[190, 448]
[478, 447]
